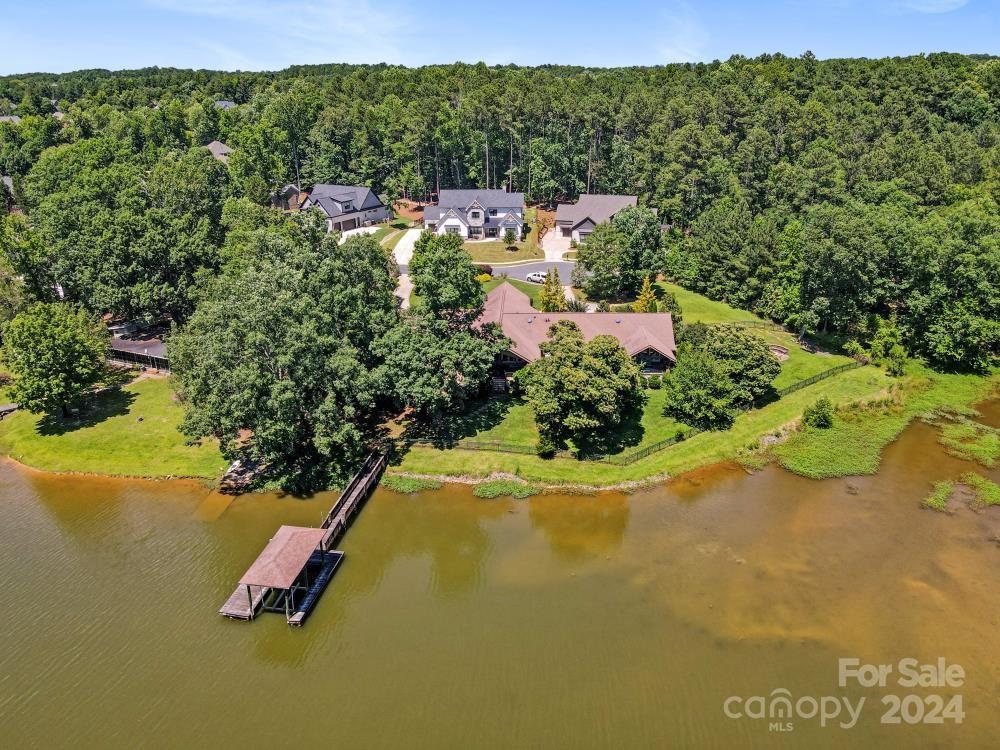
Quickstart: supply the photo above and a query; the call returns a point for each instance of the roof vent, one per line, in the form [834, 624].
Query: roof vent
[618, 320]
[531, 320]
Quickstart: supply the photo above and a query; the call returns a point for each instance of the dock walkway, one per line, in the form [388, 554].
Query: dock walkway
[299, 561]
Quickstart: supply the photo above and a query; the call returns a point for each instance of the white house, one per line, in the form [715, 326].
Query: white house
[476, 214]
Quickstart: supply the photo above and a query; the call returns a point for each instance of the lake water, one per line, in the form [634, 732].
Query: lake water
[576, 622]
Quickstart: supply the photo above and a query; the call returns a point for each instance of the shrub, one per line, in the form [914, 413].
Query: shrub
[819, 413]
[603, 306]
[409, 485]
[576, 305]
[483, 278]
[509, 238]
[655, 382]
[484, 268]
[504, 487]
[853, 349]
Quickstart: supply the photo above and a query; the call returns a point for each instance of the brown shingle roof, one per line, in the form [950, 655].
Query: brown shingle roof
[527, 328]
[284, 557]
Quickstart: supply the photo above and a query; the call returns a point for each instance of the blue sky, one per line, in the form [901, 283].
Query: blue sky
[62, 35]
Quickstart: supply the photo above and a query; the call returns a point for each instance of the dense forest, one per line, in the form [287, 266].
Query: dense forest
[835, 196]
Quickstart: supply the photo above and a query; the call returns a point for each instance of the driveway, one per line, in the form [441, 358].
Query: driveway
[555, 245]
[403, 251]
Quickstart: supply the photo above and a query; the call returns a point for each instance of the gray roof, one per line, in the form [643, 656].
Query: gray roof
[8, 182]
[597, 208]
[324, 194]
[219, 150]
[10, 118]
[487, 199]
[224, 104]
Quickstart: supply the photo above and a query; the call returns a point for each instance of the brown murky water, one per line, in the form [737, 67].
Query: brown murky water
[574, 622]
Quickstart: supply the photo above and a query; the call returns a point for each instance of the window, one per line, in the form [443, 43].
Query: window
[346, 205]
[493, 212]
[453, 230]
[475, 215]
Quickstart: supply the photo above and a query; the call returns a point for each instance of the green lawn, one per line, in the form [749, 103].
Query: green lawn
[699, 309]
[700, 450]
[497, 252]
[532, 290]
[131, 432]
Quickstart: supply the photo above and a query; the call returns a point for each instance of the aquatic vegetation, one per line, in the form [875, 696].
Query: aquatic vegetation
[971, 440]
[504, 488]
[938, 499]
[985, 491]
[409, 485]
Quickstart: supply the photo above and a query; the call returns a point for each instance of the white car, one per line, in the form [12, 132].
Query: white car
[537, 277]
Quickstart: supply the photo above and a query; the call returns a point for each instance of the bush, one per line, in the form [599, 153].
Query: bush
[603, 306]
[483, 278]
[485, 268]
[853, 349]
[819, 414]
[504, 487]
[575, 305]
[655, 382]
[409, 485]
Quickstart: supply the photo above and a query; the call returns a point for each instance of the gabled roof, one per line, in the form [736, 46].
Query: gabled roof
[224, 104]
[360, 197]
[463, 199]
[10, 118]
[284, 557]
[219, 150]
[528, 328]
[597, 208]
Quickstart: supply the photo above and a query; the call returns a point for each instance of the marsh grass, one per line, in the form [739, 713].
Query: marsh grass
[938, 499]
[985, 492]
[970, 440]
[409, 485]
[505, 488]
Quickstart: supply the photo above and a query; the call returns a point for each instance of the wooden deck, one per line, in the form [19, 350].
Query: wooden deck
[321, 565]
[240, 606]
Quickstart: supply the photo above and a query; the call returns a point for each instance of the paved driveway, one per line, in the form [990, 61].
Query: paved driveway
[555, 245]
[403, 251]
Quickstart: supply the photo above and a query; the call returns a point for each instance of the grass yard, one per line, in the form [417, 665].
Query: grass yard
[700, 450]
[129, 432]
[700, 309]
[496, 252]
[532, 290]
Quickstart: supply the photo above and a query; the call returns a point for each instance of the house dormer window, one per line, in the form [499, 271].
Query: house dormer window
[475, 215]
[493, 212]
[346, 205]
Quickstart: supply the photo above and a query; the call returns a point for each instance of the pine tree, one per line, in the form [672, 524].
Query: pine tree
[552, 298]
[646, 302]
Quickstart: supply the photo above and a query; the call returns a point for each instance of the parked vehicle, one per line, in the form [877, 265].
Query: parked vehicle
[537, 277]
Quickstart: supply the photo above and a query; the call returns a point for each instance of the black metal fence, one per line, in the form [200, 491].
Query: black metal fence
[139, 360]
[625, 459]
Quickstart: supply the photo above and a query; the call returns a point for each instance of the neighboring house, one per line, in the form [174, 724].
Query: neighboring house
[289, 198]
[476, 214]
[219, 150]
[577, 220]
[224, 104]
[10, 118]
[647, 337]
[347, 206]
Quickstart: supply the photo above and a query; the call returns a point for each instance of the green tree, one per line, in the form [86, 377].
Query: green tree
[509, 238]
[819, 413]
[583, 391]
[444, 276]
[264, 366]
[746, 359]
[699, 391]
[646, 301]
[552, 297]
[56, 353]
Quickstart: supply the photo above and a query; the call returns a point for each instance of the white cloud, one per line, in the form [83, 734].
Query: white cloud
[933, 6]
[307, 31]
[683, 37]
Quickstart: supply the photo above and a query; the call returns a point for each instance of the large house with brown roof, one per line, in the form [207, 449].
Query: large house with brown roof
[577, 220]
[647, 337]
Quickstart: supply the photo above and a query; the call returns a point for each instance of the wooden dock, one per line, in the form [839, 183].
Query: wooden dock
[295, 567]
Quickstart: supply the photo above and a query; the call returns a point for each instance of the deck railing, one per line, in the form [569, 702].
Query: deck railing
[140, 360]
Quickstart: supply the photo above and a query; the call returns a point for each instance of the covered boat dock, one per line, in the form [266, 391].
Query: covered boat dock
[288, 576]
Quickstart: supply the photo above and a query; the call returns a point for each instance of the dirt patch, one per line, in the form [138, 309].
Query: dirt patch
[411, 210]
